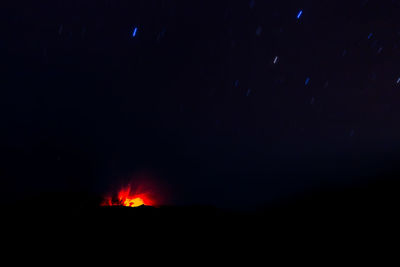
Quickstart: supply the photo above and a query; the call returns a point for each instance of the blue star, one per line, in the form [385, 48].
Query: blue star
[299, 14]
[134, 32]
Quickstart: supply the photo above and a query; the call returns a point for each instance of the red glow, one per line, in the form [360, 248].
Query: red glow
[129, 198]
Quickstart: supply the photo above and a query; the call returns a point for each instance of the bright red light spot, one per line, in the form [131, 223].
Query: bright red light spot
[129, 198]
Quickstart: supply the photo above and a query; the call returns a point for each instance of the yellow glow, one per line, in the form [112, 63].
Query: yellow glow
[133, 202]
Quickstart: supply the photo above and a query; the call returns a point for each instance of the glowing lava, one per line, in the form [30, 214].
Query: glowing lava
[128, 198]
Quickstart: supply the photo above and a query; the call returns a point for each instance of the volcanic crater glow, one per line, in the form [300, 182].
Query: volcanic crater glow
[126, 197]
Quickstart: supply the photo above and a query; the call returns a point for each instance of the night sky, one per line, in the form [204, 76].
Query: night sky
[228, 103]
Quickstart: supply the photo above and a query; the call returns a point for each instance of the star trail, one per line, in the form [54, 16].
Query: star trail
[261, 99]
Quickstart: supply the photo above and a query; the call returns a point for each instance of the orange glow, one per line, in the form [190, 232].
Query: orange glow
[128, 198]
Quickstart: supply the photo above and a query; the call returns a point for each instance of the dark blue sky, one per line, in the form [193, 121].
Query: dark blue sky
[222, 100]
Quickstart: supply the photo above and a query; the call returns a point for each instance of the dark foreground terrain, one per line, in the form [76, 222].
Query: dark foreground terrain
[353, 218]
